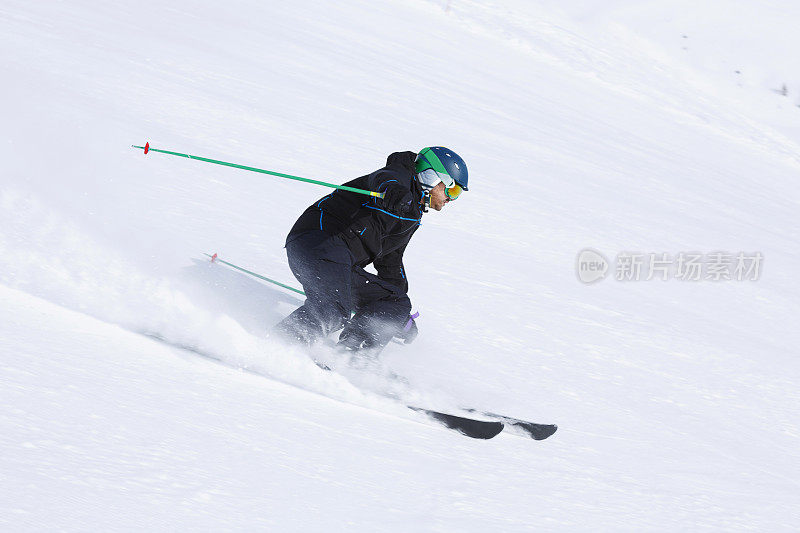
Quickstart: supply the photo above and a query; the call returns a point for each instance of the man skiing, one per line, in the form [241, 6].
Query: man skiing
[340, 234]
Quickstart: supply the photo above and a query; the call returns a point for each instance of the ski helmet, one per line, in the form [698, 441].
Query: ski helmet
[447, 165]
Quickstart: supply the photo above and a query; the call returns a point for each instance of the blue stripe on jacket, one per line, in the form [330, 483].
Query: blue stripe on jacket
[319, 204]
[417, 220]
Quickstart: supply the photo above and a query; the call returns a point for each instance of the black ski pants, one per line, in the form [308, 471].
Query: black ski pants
[334, 287]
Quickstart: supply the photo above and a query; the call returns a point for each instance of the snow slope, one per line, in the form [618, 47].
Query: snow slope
[588, 126]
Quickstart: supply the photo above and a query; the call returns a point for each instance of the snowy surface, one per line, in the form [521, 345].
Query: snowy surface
[620, 126]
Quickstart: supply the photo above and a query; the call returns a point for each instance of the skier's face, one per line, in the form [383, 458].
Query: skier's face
[438, 197]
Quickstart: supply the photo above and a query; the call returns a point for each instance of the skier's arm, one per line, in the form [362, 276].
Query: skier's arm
[398, 197]
[390, 268]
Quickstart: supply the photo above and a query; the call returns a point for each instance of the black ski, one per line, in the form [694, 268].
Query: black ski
[477, 429]
[532, 429]
[481, 429]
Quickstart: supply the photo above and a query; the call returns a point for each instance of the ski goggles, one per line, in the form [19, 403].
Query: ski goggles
[454, 191]
[430, 179]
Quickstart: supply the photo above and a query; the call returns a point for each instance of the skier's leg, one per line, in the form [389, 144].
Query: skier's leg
[382, 310]
[323, 265]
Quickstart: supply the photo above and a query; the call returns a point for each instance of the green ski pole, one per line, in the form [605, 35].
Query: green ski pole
[147, 149]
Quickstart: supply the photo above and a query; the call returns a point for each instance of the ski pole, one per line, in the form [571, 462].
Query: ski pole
[215, 258]
[147, 149]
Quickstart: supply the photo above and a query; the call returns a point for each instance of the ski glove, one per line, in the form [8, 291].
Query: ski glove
[410, 331]
[398, 200]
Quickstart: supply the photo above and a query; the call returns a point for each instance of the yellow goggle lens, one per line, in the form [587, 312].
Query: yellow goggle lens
[454, 191]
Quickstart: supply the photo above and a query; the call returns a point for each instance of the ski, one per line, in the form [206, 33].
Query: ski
[532, 429]
[477, 429]
[480, 429]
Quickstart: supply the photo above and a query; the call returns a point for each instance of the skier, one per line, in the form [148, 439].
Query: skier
[340, 234]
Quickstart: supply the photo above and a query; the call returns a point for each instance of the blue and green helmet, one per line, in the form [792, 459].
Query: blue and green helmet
[438, 162]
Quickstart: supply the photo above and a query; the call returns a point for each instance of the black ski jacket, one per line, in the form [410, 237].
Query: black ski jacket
[372, 232]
